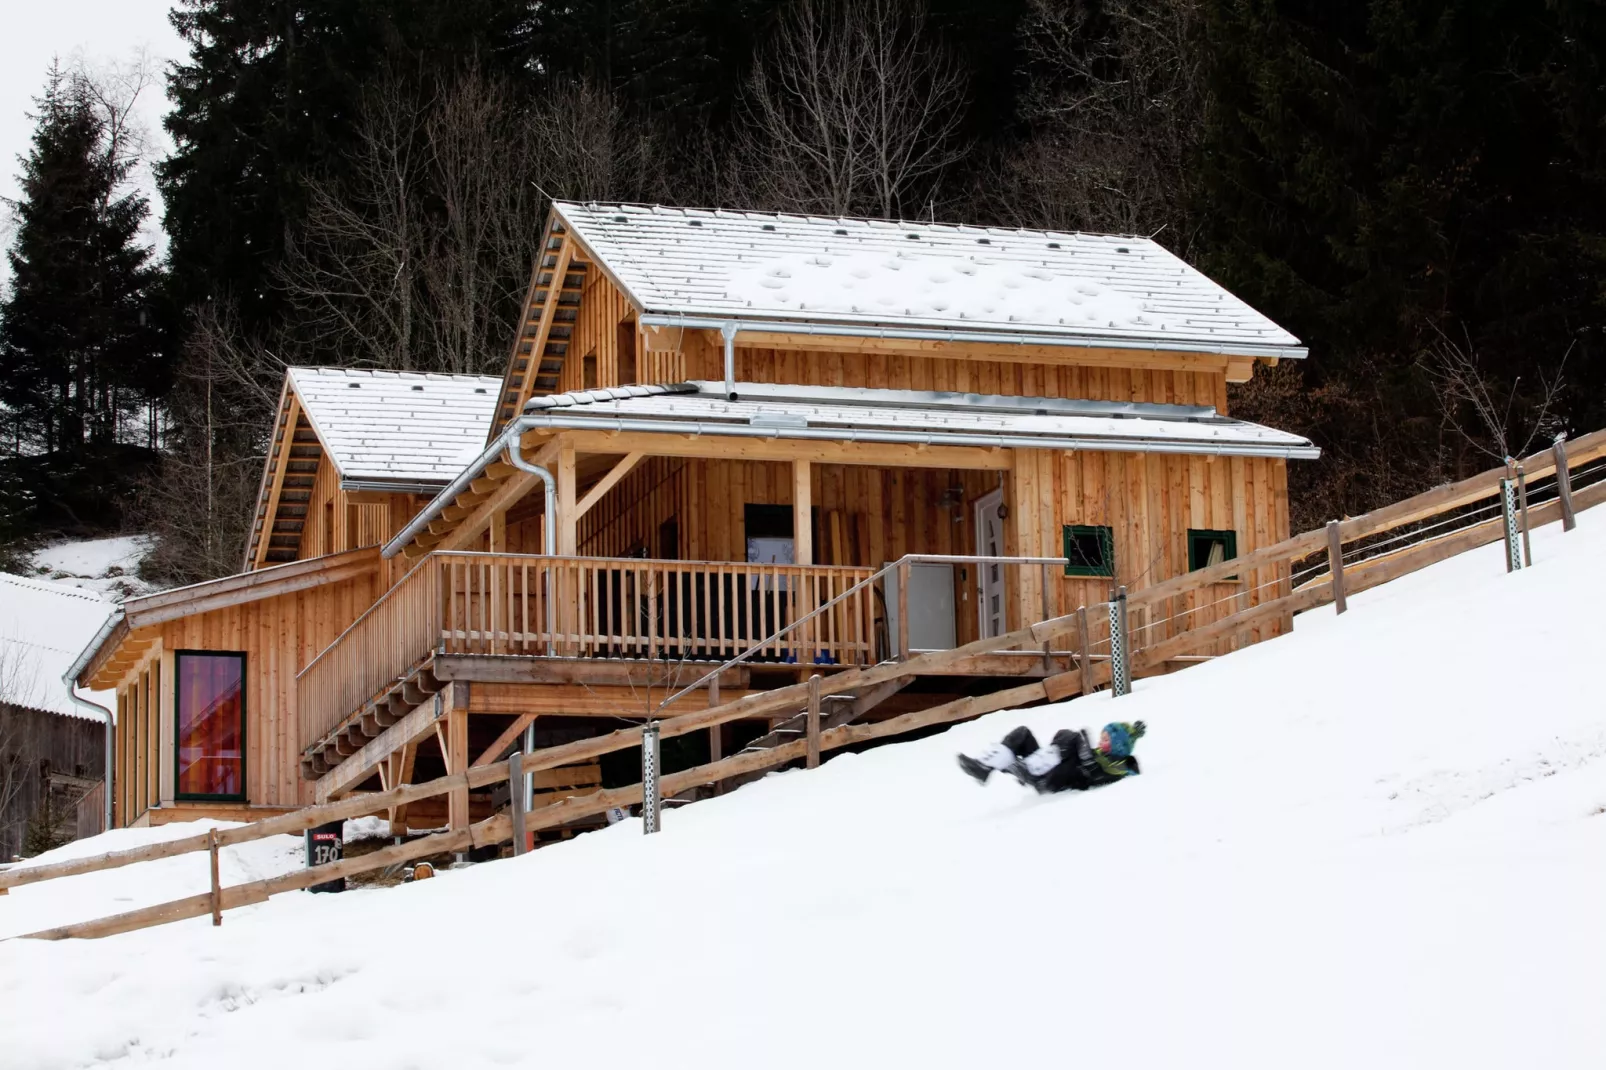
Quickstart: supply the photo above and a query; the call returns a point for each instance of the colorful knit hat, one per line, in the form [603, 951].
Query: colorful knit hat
[1123, 735]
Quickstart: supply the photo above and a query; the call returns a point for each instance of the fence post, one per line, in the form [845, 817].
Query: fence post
[1522, 504]
[1335, 564]
[1120, 668]
[814, 721]
[1508, 505]
[1048, 660]
[217, 892]
[1086, 646]
[1564, 482]
[520, 805]
[650, 799]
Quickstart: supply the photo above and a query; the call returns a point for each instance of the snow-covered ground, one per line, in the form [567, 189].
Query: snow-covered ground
[1378, 842]
[109, 567]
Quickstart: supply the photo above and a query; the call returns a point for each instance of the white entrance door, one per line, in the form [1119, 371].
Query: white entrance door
[990, 575]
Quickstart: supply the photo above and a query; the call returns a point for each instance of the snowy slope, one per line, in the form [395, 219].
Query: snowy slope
[1378, 842]
[107, 566]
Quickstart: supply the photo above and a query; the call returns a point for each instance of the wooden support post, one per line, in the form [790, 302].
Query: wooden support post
[515, 782]
[217, 891]
[716, 733]
[1335, 564]
[1564, 483]
[903, 610]
[814, 721]
[1048, 660]
[499, 532]
[457, 756]
[802, 513]
[1085, 646]
[567, 542]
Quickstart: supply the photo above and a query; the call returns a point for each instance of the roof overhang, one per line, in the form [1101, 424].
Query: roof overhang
[152, 609]
[855, 415]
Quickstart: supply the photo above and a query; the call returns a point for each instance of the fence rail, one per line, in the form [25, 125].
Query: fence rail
[1090, 672]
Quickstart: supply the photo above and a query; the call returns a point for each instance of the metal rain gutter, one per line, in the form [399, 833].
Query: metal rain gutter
[921, 334]
[386, 487]
[1135, 444]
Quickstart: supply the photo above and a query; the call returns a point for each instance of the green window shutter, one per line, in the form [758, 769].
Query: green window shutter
[1089, 550]
[1207, 546]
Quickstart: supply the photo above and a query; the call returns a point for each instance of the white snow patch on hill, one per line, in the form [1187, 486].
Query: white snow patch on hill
[109, 567]
[1378, 842]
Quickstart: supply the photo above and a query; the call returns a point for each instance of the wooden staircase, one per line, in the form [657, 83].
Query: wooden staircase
[551, 310]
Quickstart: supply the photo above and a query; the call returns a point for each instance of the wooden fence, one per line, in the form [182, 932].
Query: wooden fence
[1368, 565]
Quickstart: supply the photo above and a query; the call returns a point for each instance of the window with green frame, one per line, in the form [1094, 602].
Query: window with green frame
[1089, 550]
[1208, 547]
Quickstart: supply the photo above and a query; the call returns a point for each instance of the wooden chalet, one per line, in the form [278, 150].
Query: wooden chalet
[714, 432]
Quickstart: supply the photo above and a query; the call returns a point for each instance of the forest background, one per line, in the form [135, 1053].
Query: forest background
[1417, 188]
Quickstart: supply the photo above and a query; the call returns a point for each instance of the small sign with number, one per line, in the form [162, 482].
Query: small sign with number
[324, 849]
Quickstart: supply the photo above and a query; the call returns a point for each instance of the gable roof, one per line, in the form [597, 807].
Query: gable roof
[1064, 288]
[388, 431]
[43, 626]
[413, 429]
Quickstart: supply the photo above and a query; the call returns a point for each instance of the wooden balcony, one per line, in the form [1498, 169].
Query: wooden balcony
[586, 607]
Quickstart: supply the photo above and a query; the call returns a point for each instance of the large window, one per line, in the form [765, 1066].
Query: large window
[210, 706]
[1089, 550]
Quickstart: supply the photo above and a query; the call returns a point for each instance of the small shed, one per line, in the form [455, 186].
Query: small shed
[52, 750]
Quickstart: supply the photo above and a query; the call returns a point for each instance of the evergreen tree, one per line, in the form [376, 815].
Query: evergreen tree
[80, 353]
[268, 97]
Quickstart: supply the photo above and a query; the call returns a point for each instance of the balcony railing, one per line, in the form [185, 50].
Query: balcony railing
[587, 607]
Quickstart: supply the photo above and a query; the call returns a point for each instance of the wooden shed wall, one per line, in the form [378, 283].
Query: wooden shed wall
[279, 636]
[336, 523]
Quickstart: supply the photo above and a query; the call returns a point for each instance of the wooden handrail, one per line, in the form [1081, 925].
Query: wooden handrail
[1360, 577]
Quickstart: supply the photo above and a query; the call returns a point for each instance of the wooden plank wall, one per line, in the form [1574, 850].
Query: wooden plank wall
[889, 371]
[279, 635]
[596, 333]
[335, 523]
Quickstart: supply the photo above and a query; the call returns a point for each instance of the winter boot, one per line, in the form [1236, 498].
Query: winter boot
[995, 758]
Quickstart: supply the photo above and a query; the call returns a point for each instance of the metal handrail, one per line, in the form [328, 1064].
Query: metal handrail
[906, 559]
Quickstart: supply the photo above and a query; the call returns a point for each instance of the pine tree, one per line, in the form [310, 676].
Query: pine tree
[80, 352]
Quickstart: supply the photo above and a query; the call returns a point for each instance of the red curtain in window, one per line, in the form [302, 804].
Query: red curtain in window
[211, 724]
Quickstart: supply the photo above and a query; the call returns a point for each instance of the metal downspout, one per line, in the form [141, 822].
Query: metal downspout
[549, 543]
[727, 331]
[549, 525]
[111, 743]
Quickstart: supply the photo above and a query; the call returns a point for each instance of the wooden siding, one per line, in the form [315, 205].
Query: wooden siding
[279, 636]
[45, 751]
[603, 307]
[868, 516]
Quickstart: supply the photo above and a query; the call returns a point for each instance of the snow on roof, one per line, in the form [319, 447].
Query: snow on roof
[938, 418]
[43, 626]
[397, 427]
[1100, 288]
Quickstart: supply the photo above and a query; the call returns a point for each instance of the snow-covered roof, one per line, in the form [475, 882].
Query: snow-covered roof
[43, 626]
[851, 414]
[1063, 287]
[404, 428]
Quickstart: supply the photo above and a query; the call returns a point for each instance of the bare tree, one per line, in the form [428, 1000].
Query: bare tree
[851, 109]
[1486, 414]
[1118, 104]
[19, 688]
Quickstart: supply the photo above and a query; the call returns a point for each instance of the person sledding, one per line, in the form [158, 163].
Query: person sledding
[1068, 763]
